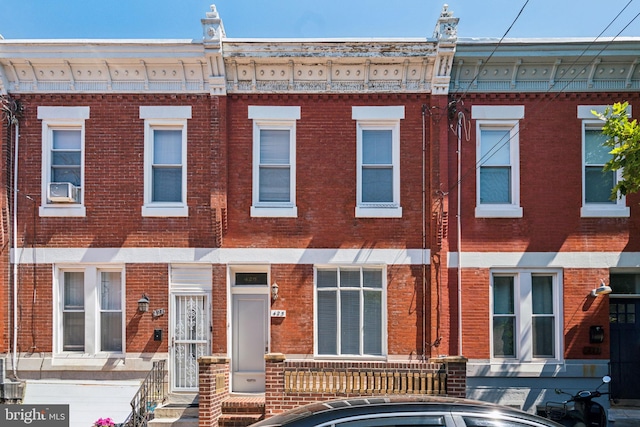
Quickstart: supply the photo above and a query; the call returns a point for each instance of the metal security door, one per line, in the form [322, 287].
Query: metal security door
[625, 347]
[250, 342]
[190, 339]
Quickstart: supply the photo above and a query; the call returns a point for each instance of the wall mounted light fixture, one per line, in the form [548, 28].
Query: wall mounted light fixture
[596, 334]
[143, 304]
[603, 289]
[274, 291]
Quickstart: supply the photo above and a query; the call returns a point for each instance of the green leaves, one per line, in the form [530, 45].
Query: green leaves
[624, 140]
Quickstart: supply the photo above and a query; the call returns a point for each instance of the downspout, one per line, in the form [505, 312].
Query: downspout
[424, 235]
[14, 121]
[458, 232]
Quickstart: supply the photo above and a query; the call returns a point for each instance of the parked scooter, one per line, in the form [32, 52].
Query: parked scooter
[580, 410]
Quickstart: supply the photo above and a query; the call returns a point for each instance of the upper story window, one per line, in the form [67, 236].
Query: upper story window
[90, 314]
[498, 161]
[526, 319]
[274, 161]
[350, 311]
[165, 160]
[63, 130]
[378, 154]
[596, 183]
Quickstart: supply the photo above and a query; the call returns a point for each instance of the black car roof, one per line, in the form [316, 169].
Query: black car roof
[332, 409]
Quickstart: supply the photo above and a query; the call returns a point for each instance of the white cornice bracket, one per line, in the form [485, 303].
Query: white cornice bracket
[4, 82]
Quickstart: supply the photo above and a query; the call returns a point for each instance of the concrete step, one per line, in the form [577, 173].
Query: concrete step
[173, 422]
[176, 410]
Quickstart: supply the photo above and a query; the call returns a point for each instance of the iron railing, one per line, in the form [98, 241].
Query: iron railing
[152, 392]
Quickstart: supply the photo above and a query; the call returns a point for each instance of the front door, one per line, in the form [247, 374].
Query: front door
[625, 347]
[190, 339]
[250, 342]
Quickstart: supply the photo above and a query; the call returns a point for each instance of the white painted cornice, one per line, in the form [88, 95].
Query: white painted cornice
[217, 65]
[103, 66]
[546, 65]
[334, 66]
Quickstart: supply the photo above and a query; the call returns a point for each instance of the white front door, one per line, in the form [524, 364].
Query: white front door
[250, 313]
[190, 339]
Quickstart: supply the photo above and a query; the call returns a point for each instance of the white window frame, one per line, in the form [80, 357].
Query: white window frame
[168, 118]
[61, 118]
[92, 283]
[617, 208]
[378, 118]
[499, 117]
[384, 334]
[276, 118]
[523, 308]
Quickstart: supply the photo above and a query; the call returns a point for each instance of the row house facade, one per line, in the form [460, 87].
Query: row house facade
[544, 261]
[180, 199]
[387, 202]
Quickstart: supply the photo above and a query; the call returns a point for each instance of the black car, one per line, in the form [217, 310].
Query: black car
[405, 411]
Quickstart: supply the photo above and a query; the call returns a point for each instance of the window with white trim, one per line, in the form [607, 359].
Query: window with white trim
[63, 134]
[350, 311]
[597, 183]
[274, 161]
[497, 161]
[526, 316]
[378, 157]
[91, 318]
[165, 160]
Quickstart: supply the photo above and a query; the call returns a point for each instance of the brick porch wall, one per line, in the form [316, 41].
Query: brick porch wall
[213, 387]
[290, 384]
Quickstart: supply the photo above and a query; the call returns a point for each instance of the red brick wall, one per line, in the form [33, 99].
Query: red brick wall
[35, 312]
[581, 311]
[114, 165]
[550, 141]
[550, 182]
[211, 370]
[476, 322]
[219, 314]
[326, 176]
[35, 322]
[152, 280]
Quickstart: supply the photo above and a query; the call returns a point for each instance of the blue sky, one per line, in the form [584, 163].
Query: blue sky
[139, 19]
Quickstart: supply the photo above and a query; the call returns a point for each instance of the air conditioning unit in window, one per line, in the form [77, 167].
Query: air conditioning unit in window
[62, 192]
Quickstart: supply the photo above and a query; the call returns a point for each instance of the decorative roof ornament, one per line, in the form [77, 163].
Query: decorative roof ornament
[213, 30]
[447, 26]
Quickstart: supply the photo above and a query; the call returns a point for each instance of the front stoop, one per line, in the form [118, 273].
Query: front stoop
[178, 412]
[241, 411]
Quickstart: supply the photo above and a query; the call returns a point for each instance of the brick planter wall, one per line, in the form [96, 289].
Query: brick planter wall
[290, 384]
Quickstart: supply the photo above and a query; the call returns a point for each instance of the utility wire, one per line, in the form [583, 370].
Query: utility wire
[494, 50]
[503, 141]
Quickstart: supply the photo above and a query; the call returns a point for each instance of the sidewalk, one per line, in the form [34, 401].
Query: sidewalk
[624, 417]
